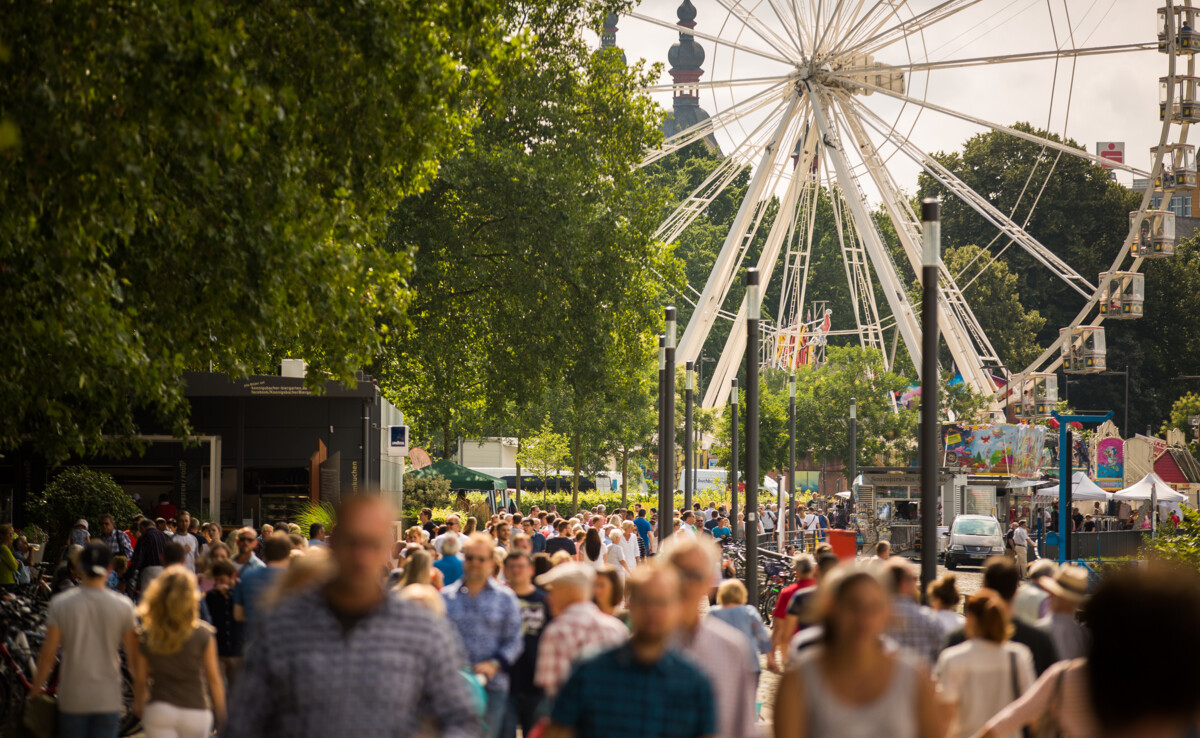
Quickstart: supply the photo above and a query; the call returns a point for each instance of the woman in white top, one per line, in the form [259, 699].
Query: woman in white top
[614, 555]
[986, 672]
[852, 685]
[631, 546]
[592, 550]
[943, 595]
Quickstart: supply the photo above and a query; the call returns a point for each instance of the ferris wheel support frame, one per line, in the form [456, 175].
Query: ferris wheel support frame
[968, 358]
[720, 279]
[727, 364]
[893, 288]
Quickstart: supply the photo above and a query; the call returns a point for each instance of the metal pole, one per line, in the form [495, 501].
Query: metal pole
[853, 448]
[733, 457]
[752, 474]
[791, 452]
[1125, 428]
[662, 434]
[1066, 461]
[689, 463]
[931, 228]
[669, 421]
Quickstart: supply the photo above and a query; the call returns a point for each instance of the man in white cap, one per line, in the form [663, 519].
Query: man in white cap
[578, 629]
[1068, 590]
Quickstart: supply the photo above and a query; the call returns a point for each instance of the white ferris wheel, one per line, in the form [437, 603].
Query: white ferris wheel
[834, 96]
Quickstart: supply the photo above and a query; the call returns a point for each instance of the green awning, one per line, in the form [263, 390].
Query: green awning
[460, 477]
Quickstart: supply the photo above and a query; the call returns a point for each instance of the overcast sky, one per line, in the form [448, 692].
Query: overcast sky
[1112, 98]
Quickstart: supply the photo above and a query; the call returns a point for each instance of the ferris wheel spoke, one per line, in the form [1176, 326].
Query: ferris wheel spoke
[860, 31]
[915, 24]
[893, 287]
[1032, 138]
[715, 183]
[770, 96]
[786, 48]
[1003, 59]
[727, 365]
[984, 207]
[833, 21]
[720, 278]
[714, 39]
[774, 81]
[968, 343]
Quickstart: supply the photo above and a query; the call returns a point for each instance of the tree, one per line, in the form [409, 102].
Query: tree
[994, 298]
[544, 451]
[1182, 412]
[197, 183]
[1082, 214]
[536, 268]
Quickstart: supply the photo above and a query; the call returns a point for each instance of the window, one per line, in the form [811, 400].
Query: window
[1181, 205]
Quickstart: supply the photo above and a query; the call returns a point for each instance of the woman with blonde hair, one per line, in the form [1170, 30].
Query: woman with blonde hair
[418, 569]
[471, 525]
[177, 654]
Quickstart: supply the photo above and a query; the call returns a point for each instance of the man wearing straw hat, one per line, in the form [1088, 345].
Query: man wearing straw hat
[1067, 590]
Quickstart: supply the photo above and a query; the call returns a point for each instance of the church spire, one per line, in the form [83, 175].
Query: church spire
[685, 57]
[608, 37]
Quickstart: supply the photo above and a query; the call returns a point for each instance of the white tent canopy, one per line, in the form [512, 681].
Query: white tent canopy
[1082, 488]
[1151, 484]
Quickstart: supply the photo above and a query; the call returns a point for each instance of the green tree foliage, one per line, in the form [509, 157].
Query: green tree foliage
[1082, 215]
[77, 493]
[536, 273]
[195, 184]
[996, 302]
[544, 452]
[1181, 545]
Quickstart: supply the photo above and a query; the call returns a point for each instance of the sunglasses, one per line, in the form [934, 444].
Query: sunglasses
[476, 558]
[247, 540]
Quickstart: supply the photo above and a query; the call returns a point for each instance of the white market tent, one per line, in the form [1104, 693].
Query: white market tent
[1082, 489]
[1152, 486]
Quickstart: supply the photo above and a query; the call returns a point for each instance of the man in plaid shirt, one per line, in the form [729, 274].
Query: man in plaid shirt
[117, 541]
[578, 629]
[350, 658]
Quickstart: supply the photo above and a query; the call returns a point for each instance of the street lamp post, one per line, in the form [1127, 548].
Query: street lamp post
[752, 475]
[662, 433]
[666, 512]
[689, 463]
[931, 230]
[733, 457]
[853, 448]
[791, 511]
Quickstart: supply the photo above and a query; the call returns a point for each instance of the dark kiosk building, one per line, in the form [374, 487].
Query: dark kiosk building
[275, 443]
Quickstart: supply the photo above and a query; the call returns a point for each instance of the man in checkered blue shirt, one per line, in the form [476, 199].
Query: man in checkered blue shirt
[642, 687]
[350, 658]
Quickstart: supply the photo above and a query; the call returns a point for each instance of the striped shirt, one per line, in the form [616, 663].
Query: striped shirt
[307, 677]
[579, 631]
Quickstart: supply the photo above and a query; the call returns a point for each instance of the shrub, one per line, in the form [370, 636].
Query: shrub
[1180, 545]
[314, 512]
[78, 492]
[429, 492]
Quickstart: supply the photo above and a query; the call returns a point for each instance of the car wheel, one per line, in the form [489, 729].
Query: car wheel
[951, 563]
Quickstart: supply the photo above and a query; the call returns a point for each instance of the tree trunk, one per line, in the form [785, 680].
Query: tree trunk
[575, 482]
[625, 477]
[518, 463]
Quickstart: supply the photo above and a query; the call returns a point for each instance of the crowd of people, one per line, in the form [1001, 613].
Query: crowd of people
[587, 625]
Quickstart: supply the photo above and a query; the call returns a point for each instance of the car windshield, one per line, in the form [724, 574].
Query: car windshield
[977, 528]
